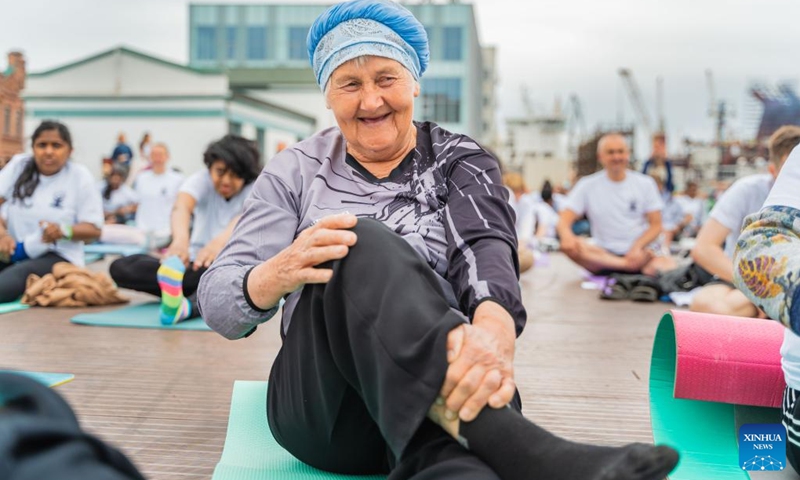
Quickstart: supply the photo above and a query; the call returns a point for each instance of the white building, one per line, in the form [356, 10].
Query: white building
[122, 90]
[538, 148]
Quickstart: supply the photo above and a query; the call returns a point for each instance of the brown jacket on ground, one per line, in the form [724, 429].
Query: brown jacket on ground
[71, 286]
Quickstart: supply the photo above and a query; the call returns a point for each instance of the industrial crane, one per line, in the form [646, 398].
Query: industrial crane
[635, 96]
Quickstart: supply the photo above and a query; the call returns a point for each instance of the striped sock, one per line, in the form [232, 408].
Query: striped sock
[174, 306]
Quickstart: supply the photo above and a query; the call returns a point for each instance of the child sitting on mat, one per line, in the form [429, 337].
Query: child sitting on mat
[50, 208]
[766, 264]
[214, 197]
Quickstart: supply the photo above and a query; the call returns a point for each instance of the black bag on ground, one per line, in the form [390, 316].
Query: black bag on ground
[684, 278]
[40, 438]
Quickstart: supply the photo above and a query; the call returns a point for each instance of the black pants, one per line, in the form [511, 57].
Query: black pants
[139, 272]
[14, 275]
[362, 361]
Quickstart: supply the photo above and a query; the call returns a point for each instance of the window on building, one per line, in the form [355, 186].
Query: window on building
[441, 99]
[206, 43]
[452, 44]
[19, 123]
[256, 43]
[297, 43]
[234, 128]
[230, 43]
[7, 121]
[261, 137]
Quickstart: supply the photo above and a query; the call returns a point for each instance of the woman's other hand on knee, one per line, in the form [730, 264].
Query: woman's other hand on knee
[296, 265]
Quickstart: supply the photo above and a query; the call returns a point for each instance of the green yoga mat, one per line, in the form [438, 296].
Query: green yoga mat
[12, 307]
[49, 379]
[251, 452]
[705, 433]
[145, 315]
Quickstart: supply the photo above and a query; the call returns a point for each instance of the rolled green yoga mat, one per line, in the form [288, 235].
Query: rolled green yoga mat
[49, 379]
[145, 315]
[12, 307]
[704, 432]
[251, 452]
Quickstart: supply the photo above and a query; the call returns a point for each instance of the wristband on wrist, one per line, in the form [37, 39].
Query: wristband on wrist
[67, 231]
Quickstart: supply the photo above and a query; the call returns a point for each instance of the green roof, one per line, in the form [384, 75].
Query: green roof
[127, 51]
[266, 77]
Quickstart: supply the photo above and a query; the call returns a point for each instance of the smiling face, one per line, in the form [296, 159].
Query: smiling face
[50, 152]
[226, 183]
[159, 157]
[372, 99]
[613, 155]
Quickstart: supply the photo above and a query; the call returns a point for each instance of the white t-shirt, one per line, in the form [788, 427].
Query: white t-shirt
[121, 197]
[157, 194]
[617, 211]
[743, 198]
[524, 208]
[693, 207]
[67, 197]
[547, 216]
[213, 213]
[673, 213]
[785, 193]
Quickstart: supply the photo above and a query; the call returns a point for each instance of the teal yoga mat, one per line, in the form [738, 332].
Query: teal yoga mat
[49, 379]
[138, 316]
[251, 452]
[704, 432]
[12, 307]
[113, 249]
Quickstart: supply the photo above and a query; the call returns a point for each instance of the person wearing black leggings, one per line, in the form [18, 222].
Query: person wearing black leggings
[51, 207]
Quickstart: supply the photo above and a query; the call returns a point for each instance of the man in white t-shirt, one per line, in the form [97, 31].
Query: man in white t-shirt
[624, 211]
[716, 240]
[766, 263]
[156, 189]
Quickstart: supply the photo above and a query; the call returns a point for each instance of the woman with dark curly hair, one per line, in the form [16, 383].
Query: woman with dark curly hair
[214, 197]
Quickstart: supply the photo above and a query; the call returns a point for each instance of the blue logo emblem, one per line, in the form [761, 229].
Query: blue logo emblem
[762, 447]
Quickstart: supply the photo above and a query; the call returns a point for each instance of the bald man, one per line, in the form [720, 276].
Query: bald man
[624, 210]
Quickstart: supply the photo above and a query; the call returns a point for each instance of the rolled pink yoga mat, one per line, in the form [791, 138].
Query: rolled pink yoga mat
[728, 359]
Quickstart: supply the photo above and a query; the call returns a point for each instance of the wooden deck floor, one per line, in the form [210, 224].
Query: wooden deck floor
[163, 396]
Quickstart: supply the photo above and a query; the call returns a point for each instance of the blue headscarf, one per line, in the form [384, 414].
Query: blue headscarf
[351, 29]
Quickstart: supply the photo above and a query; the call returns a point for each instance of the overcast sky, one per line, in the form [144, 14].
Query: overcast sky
[555, 47]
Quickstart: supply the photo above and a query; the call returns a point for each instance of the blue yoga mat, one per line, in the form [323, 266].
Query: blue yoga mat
[49, 379]
[113, 249]
[12, 307]
[145, 315]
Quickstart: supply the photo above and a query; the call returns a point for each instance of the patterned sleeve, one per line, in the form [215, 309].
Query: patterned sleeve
[767, 262]
[482, 243]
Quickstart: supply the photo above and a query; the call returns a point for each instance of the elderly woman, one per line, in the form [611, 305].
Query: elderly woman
[394, 245]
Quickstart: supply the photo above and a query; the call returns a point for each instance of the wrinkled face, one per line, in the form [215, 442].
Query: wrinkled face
[613, 154]
[159, 156]
[226, 183]
[373, 102]
[50, 152]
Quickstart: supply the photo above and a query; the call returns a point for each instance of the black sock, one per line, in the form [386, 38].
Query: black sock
[516, 448]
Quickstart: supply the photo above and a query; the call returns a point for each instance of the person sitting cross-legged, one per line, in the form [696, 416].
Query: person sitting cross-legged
[624, 211]
[716, 240]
